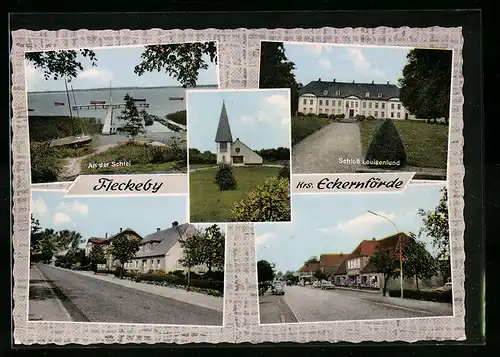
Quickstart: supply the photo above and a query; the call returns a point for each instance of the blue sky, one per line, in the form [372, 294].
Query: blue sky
[115, 64]
[337, 223]
[96, 216]
[259, 118]
[345, 64]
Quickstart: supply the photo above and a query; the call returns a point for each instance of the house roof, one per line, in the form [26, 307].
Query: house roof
[364, 249]
[329, 89]
[126, 230]
[167, 238]
[311, 267]
[332, 259]
[342, 269]
[369, 268]
[223, 130]
[97, 240]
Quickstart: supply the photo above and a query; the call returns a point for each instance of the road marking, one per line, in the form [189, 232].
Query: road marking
[56, 298]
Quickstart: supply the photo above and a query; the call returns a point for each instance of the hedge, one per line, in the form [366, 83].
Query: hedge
[386, 145]
[426, 295]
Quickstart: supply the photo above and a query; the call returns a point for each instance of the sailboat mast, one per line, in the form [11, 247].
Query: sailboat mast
[76, 108]
[67, 95]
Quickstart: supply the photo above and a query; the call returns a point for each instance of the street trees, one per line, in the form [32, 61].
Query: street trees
[419, 263]
[276, 71]
[123, 249]
[265, 274]
[213, 247]
[436, 225]
[311, 261]
[425, 85]
[192, 246]
[96, 256]
[130, 115]
[386, 264]
[318, 274]
[291, 277]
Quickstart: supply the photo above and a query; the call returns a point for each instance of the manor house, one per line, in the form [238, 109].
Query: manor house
[378, 100]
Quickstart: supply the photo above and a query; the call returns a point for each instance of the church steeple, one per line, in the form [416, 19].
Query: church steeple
[223, 130]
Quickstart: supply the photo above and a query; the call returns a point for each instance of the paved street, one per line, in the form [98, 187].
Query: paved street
[320, 152]
[313, 305]
[273, 309]
[85, 298]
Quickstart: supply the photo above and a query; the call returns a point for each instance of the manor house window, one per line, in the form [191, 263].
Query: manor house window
[364, 104]
[326, 102]
[310, 110]
[363, 112]
[382, 114]
[367, 94]
[357, 104]
[304, 110]
[370, 105]
[320, 102]
[392, 114]
[311, 101]
[305, 101]
[320, 110]
[398, 114]
[223, 147]
[392, 105]
[376, 105]
[380, 95]
[339, 103]
[383, 105]
[376, 114]
[339, 111]
[326, 110]
[333, 103]
[399, 106]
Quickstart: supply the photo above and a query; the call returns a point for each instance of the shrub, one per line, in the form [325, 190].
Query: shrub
[266, 203]
[198, 157]
[178, 117]
[213, 275]
[322, 115]
[371, 117]
[310, 115]
[360, 118]
[331, 116]
[180, 273]
[299, 114]
[44, 162]
[427, 295]
[284, 172]
[117, 271]
[340, 116]
[386, 145]
[224, 178]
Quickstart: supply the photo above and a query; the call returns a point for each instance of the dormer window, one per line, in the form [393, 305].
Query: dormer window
[380, 95]
[325, 92]
[367, 94]
[338, 92]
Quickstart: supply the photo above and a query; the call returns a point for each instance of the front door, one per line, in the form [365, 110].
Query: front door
[237, 159]
[351, 113]
[406, 115]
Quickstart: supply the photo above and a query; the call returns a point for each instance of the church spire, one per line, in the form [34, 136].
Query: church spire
[223, 130]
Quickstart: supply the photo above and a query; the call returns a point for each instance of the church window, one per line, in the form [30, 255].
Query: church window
[223, 147]
[237, 149]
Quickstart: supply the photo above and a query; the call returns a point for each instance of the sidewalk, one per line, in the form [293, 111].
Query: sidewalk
[440, 308]
[189, 297]
[44, 305]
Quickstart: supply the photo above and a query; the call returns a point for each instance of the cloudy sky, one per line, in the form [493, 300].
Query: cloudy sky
[337, 223]
[259, 118]
[96, 216]
[345, 64]
[115, 65]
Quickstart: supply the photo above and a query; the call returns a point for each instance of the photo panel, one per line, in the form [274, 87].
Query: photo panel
[364, 109]
[357, 257]
[99, 260]
[113, 110]
[239, 155]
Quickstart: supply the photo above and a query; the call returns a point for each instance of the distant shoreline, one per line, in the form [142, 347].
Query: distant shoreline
[120, 88]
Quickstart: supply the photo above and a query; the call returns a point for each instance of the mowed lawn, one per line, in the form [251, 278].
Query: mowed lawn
[208, 204]
[426, 144]
[304, 126]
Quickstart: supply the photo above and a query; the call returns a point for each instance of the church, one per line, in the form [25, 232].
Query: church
[369, 99]
[232, 152]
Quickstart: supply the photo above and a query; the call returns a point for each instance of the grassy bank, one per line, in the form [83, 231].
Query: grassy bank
[43, 128]
[140, 157]
[209, 204]
[304, 126]
[426, 145]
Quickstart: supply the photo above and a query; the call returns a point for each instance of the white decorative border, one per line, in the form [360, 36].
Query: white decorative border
[239, 58]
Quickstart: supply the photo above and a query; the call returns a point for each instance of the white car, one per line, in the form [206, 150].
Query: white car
[278, 289]
[316, 284]
[326, 285]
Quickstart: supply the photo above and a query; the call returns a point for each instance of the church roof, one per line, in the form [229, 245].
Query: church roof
[223, 130]
[331, 89]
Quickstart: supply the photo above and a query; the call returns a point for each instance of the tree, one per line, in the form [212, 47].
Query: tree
[276, 71]
[318, 274]
[182, 61]
[436, 225]
[123, 248]
[192, 247]
[67, 239]
[425, 85]
[60, 64]
[311, 261]
[130, 114]
[386, 144]
[213, 246]
[34, 234]
[224, 178]
[279, 275]
[386, 264]
[265, 271]
[291, 277]
[97, 256]
[419, 263]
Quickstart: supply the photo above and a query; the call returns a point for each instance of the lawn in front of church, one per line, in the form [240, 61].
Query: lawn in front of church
[209, 204]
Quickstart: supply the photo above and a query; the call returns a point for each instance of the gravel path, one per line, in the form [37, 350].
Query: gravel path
[321, 151]
[72, 167]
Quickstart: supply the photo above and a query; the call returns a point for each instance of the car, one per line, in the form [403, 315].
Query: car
[445, 287]
[278, 289]
[326, 285]
[316, 284]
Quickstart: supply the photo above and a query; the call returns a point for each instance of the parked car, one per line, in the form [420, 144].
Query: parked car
[325, 285]
[278, 289]
[445, 287]
[316, 284]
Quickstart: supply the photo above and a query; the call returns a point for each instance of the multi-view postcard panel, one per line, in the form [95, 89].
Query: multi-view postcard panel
[115, 120]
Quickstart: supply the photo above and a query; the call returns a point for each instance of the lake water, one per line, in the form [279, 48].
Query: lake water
[43, 103]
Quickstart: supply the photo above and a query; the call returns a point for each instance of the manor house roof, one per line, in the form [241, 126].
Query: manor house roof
[331, 89]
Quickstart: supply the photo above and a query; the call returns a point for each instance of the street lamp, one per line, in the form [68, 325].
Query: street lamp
[400, 249]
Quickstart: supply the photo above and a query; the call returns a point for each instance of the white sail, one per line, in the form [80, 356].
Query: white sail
[108, 127]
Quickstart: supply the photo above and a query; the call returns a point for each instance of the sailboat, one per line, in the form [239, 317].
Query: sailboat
[77, 140]
[109, 127]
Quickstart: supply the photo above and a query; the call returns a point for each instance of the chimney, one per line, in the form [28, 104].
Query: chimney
[175, 224]
[334, 80]
[319, 79]
[353, 81]
[106, 236]
[157, 229]
[387, 82]
[120, 230]
[373, 82]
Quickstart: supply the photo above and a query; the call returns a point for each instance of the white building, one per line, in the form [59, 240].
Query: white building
[229, 151]
[378, 100]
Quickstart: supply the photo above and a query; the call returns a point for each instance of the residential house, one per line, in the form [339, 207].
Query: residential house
[351, 99]
[306, 273]
[329, 263]
[229, 151]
